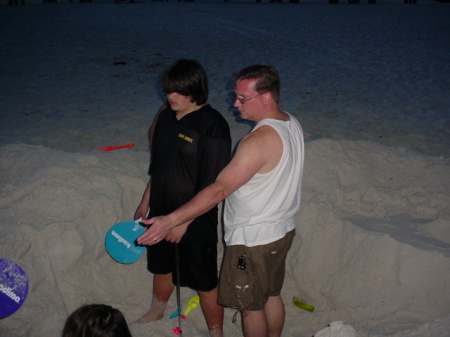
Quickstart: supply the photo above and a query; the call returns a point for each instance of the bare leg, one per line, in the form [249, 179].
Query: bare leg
[275, 315]
[162, 289]
[212, 311]
[267, 322]
[254, 323]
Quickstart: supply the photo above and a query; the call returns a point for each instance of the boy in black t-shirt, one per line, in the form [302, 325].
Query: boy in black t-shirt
[190, 144]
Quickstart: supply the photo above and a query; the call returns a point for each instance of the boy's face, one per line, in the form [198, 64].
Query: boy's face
[181, 104]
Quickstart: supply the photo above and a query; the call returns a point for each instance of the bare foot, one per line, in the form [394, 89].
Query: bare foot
[150, 316]
[155, 313]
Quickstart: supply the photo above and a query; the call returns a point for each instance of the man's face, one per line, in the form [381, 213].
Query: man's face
[248, 101]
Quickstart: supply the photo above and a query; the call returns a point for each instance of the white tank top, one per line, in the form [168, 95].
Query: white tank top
[262, 211]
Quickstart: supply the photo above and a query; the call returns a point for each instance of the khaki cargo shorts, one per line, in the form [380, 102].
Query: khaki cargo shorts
[250, 275]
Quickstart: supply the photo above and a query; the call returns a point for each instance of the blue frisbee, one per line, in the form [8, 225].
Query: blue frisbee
[120, 242]
[13, 287]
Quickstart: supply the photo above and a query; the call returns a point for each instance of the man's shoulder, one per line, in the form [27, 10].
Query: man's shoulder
[264, 132]
[261, 137]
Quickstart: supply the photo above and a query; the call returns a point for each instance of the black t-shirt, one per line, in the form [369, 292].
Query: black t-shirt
[186, 156]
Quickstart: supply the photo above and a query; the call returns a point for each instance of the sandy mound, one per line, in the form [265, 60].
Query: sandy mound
[372, 246]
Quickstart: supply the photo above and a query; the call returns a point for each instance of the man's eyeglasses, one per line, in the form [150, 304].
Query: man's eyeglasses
[242, 100]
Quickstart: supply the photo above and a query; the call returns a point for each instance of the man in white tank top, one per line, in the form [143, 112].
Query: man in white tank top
[262, 186]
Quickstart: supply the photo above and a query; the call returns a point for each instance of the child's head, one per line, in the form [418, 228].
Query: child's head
[188, 78]
[96, 320]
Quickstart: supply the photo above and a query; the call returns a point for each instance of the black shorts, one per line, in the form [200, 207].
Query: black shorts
[198, 264]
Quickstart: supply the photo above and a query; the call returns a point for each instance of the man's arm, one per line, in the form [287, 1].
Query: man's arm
[255, 152]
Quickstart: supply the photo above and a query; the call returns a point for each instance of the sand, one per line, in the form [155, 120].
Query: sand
[369, 83]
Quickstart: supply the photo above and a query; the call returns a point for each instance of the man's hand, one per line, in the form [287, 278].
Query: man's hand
[177, 233]
[160, 227]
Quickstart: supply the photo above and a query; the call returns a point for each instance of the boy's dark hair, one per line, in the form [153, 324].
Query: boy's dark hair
[188, 78]
[266, 76]
[96, 320]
